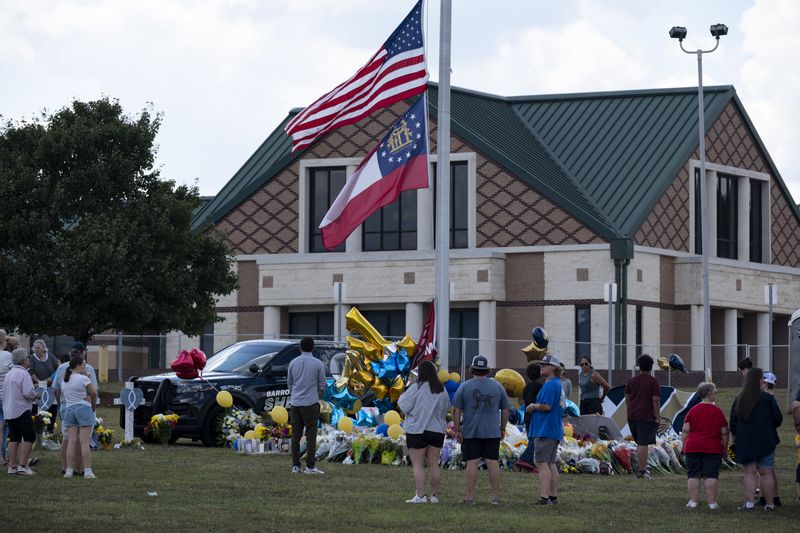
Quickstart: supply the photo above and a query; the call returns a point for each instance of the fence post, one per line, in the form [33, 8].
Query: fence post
[463, 358]
[119, 356]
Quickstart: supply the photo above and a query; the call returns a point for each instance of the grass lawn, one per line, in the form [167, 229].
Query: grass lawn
[217, 490]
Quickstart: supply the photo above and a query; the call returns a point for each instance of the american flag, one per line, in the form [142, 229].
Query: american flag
[396, 72]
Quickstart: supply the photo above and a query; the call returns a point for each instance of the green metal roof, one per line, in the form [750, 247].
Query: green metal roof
[606, 157]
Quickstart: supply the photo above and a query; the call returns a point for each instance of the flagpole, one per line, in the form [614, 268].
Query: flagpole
[443, 191]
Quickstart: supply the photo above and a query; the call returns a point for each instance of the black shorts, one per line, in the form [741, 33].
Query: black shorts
[21, 428]
[419, 441]
[592, 406]
[703, 465]
[643, 431]
[476, 448]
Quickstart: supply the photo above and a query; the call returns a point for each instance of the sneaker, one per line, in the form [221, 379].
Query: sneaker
[89, 475]
[543, 501]
[713, 506]
[418, 499]
[644, 475]
[433, 499]
[553, 500]
[314, 470]
[295, 470]
[24, 471]
[12, 470]
[691, 505]
[769, 507]
[745, 507]
[68, 475]
[495, 500]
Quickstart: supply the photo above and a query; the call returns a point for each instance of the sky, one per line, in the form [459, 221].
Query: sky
[225, 73]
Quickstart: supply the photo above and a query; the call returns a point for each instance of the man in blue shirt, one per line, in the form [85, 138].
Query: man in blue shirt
[484, 405]
[305, 379]
[547, 429]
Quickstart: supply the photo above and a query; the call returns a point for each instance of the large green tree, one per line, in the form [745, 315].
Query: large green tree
[91, 238]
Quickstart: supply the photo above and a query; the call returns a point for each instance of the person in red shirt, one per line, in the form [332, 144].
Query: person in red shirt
[643, 398]
[705, 439]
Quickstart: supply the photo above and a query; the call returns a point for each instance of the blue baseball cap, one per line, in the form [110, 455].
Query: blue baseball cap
[479, 362]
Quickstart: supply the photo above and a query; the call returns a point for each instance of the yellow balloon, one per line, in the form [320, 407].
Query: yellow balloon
[355, 321]
[444, 375]
[397, 388]
[394, 431]
[279, 415]
[392, 418]
[455, 377]
[345, 424]
[512, 382]
[258, 426]
[356, 408]
[250, 434]
[224, 399]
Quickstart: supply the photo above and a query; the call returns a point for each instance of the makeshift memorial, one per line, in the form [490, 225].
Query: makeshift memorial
[105, 437]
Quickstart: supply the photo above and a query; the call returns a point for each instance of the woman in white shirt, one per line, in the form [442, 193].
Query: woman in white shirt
[425, 404]
[78, 395]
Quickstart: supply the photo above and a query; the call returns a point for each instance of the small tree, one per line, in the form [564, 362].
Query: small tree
[91, 239]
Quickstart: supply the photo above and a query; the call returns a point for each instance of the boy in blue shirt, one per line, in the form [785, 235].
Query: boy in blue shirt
[547, 429]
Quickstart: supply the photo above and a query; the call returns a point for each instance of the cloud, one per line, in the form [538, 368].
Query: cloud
[556, 60]
[770, 81]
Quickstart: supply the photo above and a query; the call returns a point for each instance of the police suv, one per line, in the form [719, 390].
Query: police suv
[254, 372]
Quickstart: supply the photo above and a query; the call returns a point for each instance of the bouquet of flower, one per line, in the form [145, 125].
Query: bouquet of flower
[359, 447]
[40, 421]
[373, 445]
[105, 436]
[281, 432]
[389, 449]
[622, 457]
[236, 423]
[160, 426]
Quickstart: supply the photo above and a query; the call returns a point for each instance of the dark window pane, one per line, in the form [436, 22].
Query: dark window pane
[324, 185]
[727, 219]
[391, 217]
[756, 221]
[408, 216]
[460, 239]
[391, 241]
[408, 240]
[372, 242]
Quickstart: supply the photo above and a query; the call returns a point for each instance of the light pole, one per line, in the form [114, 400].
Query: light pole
[717, 31]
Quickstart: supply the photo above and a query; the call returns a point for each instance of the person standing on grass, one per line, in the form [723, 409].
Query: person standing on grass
[480, 414]
[705, 440]
[796, 420]
[5, 366]
[755, 418]
[78, 349]
[547, 429]
[529, 394]
[770, 380]
[590, 382]
[643, 399]
[79, 415]
[305, 379]
[43, 365]
[425, 404]
[18, 396]
[744, 365]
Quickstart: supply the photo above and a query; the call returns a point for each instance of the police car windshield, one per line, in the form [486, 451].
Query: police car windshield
[238, 357]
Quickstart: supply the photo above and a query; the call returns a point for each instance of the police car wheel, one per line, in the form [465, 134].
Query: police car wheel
[211, 435]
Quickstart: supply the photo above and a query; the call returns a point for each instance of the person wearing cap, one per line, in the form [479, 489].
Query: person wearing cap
[480, 414]
[770, 380]
[547, 429]
[643, 398]
[77, 349]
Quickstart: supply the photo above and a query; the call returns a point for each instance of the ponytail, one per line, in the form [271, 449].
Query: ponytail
[74, 362]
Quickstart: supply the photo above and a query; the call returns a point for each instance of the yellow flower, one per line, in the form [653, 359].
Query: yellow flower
[100, 429]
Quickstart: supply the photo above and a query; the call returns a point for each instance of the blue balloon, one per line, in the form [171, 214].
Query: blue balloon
[521, 413]
[336, 414]
[572, 409]
[451, 387]
[383, 405]
[382, 430]
[676, 363]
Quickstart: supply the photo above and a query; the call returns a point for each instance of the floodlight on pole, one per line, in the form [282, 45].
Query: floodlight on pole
[679, 32]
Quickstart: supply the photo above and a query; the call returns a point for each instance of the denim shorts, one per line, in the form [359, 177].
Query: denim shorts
[768, 461]
[78, 415]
